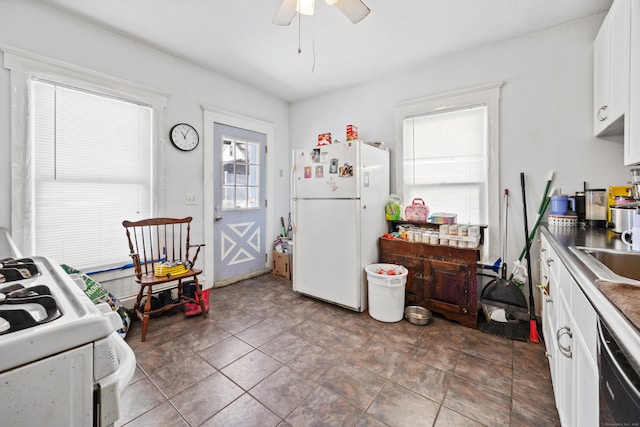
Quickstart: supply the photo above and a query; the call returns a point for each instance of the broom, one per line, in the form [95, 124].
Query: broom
[533, 327]
[541, 210]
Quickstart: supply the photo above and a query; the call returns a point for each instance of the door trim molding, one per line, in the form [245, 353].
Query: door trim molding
[212, 115]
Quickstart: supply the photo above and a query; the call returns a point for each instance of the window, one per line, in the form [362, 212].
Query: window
[241, 174]
[445, 160]
[450, 156]
[92, 169]
[84, 157]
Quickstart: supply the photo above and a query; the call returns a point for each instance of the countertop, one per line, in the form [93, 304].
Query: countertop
[561, 240]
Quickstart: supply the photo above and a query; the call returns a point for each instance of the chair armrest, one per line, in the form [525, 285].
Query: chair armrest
[195, 257]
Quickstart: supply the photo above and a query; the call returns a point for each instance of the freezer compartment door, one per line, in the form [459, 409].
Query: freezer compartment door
[329, 171]
[327, 251]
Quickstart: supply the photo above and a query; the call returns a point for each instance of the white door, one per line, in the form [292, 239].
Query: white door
[224, 240]
[238, 203]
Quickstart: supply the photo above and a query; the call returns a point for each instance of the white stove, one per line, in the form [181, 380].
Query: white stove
[61, 361]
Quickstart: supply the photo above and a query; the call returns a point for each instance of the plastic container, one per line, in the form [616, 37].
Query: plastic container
[386, 292]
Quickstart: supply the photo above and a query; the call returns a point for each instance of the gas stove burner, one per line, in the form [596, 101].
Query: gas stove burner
[12, 270]
[24, 307]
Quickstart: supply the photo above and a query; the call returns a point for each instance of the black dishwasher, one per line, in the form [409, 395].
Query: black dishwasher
[619, 383]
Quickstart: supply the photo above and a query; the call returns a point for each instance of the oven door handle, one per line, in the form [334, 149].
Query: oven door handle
[111, 387]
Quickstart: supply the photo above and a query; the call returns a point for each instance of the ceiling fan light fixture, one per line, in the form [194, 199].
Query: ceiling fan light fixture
[355, 10]
[305, 7]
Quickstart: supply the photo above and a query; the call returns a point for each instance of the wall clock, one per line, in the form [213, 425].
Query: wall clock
[184, 137]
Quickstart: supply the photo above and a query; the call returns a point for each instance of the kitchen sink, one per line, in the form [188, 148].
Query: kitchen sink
[609, 263]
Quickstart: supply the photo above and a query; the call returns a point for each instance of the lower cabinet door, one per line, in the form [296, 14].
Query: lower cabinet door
[447, 285]
[565, 371]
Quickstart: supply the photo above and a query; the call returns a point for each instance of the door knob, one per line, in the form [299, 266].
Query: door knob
[218, 218]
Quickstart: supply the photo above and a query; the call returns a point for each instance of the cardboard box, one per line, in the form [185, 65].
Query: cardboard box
[281, 265]
[352, 133]
[324, 139]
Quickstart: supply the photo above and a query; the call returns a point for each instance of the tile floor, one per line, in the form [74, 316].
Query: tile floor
[267, 356]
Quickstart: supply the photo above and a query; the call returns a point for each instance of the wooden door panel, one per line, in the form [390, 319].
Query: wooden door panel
[447, 285]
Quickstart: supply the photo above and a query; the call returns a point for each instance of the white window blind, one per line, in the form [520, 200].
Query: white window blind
[92, 168]
[446, 161]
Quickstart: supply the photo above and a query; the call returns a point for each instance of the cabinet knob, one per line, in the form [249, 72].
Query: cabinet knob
[549, 262]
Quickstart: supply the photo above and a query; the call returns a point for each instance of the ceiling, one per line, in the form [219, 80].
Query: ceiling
[235, 38]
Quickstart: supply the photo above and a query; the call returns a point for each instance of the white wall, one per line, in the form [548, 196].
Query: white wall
[36, 28]
[545, 122]
[545, 119]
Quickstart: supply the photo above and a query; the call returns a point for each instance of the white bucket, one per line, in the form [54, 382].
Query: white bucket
[386, 292]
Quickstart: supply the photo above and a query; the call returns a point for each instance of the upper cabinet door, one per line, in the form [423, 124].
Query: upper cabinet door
[601, 78]
[611, 71]
[632, 119]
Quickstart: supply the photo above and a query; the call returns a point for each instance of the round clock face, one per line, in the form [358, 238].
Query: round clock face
[184, 137]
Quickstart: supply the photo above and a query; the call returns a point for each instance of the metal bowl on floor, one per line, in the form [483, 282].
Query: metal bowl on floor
[417, 315]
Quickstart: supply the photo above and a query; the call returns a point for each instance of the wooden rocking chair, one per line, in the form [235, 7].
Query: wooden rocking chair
[159, 248]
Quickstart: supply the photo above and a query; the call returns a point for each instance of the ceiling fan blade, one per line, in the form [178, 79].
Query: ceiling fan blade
[285, 13]
[355, 10]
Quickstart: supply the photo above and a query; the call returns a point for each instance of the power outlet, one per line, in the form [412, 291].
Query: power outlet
[190, 199]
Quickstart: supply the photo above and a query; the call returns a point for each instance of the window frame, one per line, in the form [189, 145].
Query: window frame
[488, 95]
[24, 67]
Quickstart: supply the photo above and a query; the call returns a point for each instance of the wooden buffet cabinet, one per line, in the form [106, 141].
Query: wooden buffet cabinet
[442, 279]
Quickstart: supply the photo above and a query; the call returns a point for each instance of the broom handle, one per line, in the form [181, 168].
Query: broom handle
[544, 203]
[535, 226]
[533, 332]
[526, 232]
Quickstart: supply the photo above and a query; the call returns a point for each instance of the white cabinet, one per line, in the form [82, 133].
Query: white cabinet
[611, 71]
[632, 119]
[569, 328]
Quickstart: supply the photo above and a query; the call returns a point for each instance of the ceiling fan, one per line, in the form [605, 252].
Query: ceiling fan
[355, 10]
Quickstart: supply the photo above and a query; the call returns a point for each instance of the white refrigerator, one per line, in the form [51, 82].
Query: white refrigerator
[338, 196]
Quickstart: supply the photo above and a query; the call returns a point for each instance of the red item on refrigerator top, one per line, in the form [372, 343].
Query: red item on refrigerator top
[352, 133]
[324, 139]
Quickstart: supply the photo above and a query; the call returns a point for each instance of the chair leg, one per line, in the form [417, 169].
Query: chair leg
[138, 299]
[145, 315]
[200, 298]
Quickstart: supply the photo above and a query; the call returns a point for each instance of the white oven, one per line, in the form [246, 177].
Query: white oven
[61, 361]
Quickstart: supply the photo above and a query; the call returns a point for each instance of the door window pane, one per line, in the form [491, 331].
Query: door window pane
[241, 174]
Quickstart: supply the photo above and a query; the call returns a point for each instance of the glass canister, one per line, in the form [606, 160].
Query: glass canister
[595, 201]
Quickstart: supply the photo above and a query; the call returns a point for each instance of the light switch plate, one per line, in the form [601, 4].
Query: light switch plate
[190, 199]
